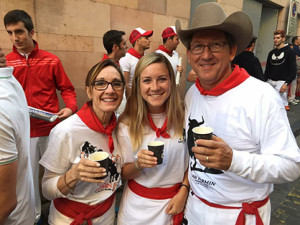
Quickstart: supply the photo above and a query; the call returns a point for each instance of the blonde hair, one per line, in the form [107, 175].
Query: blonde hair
[135, 113]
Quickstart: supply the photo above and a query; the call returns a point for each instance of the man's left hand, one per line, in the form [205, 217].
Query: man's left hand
[283, 88]
[2, 59]
[64, 113]
[213, 153]
[180, 69]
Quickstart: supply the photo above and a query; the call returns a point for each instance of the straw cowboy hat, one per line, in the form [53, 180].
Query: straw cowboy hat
[212, 16]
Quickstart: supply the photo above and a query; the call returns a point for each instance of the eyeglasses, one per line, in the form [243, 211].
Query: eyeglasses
[198, 49]
[102, 85]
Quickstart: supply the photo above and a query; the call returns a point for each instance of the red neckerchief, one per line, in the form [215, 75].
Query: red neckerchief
[237, 77]
[88, 116]
[159, 131]
[104, 57]
[164, 49]
[133, 52]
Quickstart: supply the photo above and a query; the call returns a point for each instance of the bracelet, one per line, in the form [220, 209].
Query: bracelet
[65, 179]
[187, 187]
[136, 166]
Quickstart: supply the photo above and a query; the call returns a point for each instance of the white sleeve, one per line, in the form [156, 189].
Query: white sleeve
[49, 185]
[264, 168]
[124, 64]
[278, 158]
[125, 146]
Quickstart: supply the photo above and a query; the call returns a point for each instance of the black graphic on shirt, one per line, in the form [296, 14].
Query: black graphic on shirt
[113, 174]
[277, 59]
[183, 138]
[194, 123]
[184, 221]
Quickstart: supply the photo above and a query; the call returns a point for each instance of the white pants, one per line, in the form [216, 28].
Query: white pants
[38, 146]
[277, 85]
[198, 213]
[293, 90]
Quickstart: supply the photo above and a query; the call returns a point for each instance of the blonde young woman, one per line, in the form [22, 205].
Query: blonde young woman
[70, 179]
[154, 194]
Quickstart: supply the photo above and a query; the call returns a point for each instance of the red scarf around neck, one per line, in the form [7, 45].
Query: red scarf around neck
[133, 52]
[164, 49]
[159, 131]
[104, 57]
[237, 77]
[88, 116]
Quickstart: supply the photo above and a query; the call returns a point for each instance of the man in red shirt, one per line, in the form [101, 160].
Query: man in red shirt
[40, 73]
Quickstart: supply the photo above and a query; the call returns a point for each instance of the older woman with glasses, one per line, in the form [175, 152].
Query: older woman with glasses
[71, 180]
[155, 193]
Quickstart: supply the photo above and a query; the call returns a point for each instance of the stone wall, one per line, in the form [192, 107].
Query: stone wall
[73, 29]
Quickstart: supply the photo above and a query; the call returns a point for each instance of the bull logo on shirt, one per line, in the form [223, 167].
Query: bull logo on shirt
[113, 173]
[191, 143]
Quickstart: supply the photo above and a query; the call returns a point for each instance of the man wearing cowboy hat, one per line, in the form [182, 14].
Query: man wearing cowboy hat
[139, 39]
[252, 147]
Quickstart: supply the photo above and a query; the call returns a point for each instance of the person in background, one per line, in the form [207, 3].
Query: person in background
[249, 61]
[41, 74]
[155, 193]
[115, 43]
[170, 43]
[71, 180]
[16, 182]
[232, 175]
[281, 67]
[293, 87]
[140, 40]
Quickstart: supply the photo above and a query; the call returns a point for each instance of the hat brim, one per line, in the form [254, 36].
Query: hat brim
[147, 33]
[238, 24]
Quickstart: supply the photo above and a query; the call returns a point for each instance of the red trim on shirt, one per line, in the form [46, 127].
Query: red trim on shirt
[237, 77]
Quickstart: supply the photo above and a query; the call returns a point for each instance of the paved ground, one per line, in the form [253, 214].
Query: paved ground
[286, 197]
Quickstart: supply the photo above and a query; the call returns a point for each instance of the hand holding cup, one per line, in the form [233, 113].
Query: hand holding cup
[211, 151]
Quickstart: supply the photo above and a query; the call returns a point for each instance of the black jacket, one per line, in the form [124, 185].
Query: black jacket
[250, 63]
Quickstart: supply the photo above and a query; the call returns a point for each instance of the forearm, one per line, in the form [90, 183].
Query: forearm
[131, 171]
[54, 186]
[264, 168]
[69, 98]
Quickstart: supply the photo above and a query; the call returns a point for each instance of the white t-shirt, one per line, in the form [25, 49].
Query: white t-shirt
[69, 140]
[257, 129]
[136, 210]
[173, 60]
[128, 64]
[14, 144]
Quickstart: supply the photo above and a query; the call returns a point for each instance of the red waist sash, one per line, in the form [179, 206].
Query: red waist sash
[82, 212]
[247, 208]
[157, 194]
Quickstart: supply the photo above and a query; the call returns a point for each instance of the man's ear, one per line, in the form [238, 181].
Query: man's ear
[31, 32]
[115, 48]
[233, 52]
